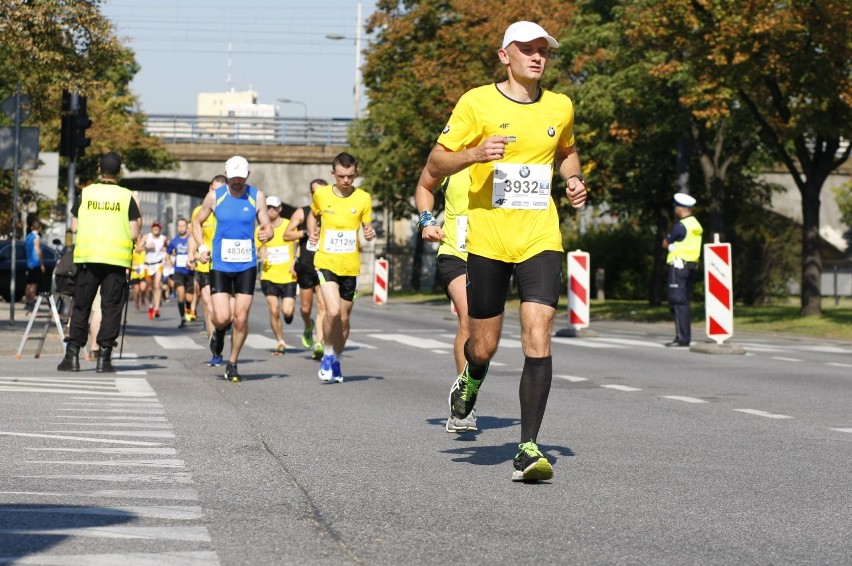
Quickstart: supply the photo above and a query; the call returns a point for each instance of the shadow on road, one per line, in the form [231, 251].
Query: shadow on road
[30, 529]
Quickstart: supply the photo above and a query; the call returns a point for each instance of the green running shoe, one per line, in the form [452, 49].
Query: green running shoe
[463, 394]
[308, 336]
[318, 351]
[530, 464]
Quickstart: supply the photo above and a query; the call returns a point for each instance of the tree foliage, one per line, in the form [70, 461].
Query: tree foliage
[54, 45]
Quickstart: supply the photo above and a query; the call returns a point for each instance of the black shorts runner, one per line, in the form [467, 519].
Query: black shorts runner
[539, 280]
[202, 278]
[183, 280]
[306, 276]
[348, 284]
[450, 268]
[240, 282]
[280, 290]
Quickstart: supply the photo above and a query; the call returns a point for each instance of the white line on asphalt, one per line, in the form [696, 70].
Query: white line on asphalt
[176, 343]
[193, 558]
[621, 387]
[838, 364]
[188, 534]
[509, 343]
[261, 342]
[353, 345]
[81, 438]
[163, 463]
[763, 414]
[47, 380]
[684, 399]
[175, 494]
[760, 347]
[781, 359]
[133, 403]
[824, 349]
[842, 429]
[111, 450]
[149, 411]
[629, 342]
[131, 425]
[571, 378]
[414, 341]
[148, 433]
[176, 477]
[176, 512]
[442, 352]
[583, 343]
[132, 372]
[105, 418]
[68, 391]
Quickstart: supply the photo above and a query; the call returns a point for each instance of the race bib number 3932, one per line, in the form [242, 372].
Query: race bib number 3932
[519, 186]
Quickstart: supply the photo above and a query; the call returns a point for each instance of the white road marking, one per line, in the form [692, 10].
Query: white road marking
[583, 343]
[188, 534]
[763, 414]
[196, 558]
[140, 403]
[353, 345]
[441, 352]
[147, 411]
[131, 425]
[132, 372]
[630, 342]
[48, 380]
[106, 418]
[684, 399]
[414, 341]
[782, 359]
[261, 342]
[176, 477]
[177, 343]
[838, 364]
[110, 450]
[823, 349]
[621, 387]
[147, 433]
[842, 429]
[176, 494]
[760, 347]
[81, 438]
[509, 343]
[65, 391]
[163, 463]
[176, 512]
[571, 378]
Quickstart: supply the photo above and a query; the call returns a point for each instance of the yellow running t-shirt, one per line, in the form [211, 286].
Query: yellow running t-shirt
[455, 216]
[340, 219]
[207, 231]
[515, 218]
[279, 255]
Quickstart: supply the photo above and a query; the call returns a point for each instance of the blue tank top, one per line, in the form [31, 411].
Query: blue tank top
[233, 240]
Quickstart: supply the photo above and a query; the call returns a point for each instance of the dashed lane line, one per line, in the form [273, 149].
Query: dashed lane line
[572, 378]
[581, 343]
[783, 359]
[684, 399]
[838, 364]
[620, 387]
[843, 429]
[763, 414]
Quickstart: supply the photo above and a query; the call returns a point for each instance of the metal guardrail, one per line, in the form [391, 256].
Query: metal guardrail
[187, 128]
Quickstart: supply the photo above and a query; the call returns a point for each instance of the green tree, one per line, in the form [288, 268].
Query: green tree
[54, 45]
[788, 64]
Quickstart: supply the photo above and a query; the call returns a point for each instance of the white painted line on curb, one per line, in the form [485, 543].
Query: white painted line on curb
[684, 399]
[763, 414]
[621, 387]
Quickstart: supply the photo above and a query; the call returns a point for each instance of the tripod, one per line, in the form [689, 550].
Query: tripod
[54, 314]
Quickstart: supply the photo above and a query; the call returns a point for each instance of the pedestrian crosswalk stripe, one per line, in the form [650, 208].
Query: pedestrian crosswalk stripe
[630, 342]
[172, 477]
[261, 342]
[162, 463]
[684, 399]
[177, 343]
[408, 340]
[146, 433]
[186, 534]
[191, 558]
[763, 414]
[175, 512]
[163, 451]
[81, 438]
[175, 494]
[621, 387]
[571, 378]
[582, 343]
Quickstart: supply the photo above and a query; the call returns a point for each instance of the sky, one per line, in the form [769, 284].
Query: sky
[277, 48]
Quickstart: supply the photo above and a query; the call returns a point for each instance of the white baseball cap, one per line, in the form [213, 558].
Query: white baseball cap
[236, 167]
[273, 201]
[683, 199]
[526, 31]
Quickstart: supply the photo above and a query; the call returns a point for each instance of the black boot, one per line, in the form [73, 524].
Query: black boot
[105, 361]
[71, 361]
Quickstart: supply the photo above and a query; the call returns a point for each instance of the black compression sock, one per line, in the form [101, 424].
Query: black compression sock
[533, 391]
[476, 371]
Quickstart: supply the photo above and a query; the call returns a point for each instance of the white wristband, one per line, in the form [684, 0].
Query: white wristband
[203, 248]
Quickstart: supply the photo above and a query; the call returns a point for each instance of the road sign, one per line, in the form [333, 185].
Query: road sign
[718, 291]
[29, 148]
[8, 107]
[578, 289]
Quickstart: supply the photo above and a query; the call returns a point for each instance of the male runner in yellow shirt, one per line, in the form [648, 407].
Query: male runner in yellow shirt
[511, 134]
[276, 278]
[343, 210]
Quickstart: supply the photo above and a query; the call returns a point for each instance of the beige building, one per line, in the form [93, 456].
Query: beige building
[233, 104]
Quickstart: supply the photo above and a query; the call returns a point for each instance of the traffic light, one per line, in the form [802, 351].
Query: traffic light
[81, 124]
[75, 121]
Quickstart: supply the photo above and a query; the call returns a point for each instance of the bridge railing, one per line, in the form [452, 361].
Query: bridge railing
[188, 128]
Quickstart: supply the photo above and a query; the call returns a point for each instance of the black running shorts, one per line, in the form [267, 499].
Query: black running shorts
[348, 284]
[240, 282]
[280, 290]
[450, 268]
[539, 280]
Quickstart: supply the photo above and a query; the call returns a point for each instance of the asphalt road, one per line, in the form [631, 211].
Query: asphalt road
[661, 456]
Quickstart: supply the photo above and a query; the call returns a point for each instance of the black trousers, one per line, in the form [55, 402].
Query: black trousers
[680, 293]
[112, 281]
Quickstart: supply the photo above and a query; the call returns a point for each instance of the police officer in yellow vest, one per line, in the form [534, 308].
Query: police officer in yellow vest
[107, 221]
[684, 245]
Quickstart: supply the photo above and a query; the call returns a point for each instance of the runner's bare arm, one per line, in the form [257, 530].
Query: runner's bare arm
[568, 165]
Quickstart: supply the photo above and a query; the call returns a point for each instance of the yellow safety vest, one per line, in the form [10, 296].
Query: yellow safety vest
[688, 249]
[103, 227]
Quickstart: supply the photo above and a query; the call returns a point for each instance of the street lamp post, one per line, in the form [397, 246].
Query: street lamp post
[288, 101]
[335, 36]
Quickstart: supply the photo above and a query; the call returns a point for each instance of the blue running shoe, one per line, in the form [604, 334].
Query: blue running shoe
[215, 361]
[336, 374]
[325, 372]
